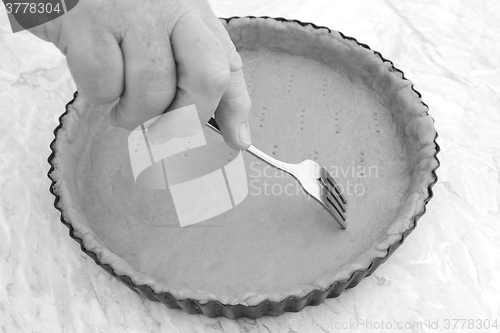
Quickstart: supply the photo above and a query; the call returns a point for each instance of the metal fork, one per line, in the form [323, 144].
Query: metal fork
[313, 178]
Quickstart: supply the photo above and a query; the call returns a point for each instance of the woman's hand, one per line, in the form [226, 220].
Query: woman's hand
[154, 55]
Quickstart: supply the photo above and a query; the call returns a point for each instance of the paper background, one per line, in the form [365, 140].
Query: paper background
[447, 269]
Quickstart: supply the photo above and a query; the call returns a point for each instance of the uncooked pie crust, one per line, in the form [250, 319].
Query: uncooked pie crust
[315, 95]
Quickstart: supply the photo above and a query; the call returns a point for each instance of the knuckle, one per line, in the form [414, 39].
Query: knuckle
[123, 119]
[214, 82]
[99, 92]
[235, 62]
[96, 97]
[245, 104]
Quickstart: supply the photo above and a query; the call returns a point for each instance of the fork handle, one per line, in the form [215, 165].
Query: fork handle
[288, 168]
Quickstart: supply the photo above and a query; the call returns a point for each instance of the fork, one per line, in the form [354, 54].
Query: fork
[314, 179]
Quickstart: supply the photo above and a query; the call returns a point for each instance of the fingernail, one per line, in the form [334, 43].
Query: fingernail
[244, 134]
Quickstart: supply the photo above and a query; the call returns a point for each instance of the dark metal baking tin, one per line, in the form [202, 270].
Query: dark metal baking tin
[266, 307]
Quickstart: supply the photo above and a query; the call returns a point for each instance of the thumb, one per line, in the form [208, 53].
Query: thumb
[234, 109]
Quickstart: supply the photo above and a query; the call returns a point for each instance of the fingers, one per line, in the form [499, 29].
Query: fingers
[234, 108]
[95, 62]
[232, 113]
[152, 72]
[150, 78]
[203, 72]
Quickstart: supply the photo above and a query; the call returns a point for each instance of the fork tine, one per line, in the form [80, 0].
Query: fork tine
[331, 207]
[334, 185]
[335, 197]
[329, 196]
[335, 206]
[332, 197]
[333, 188]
